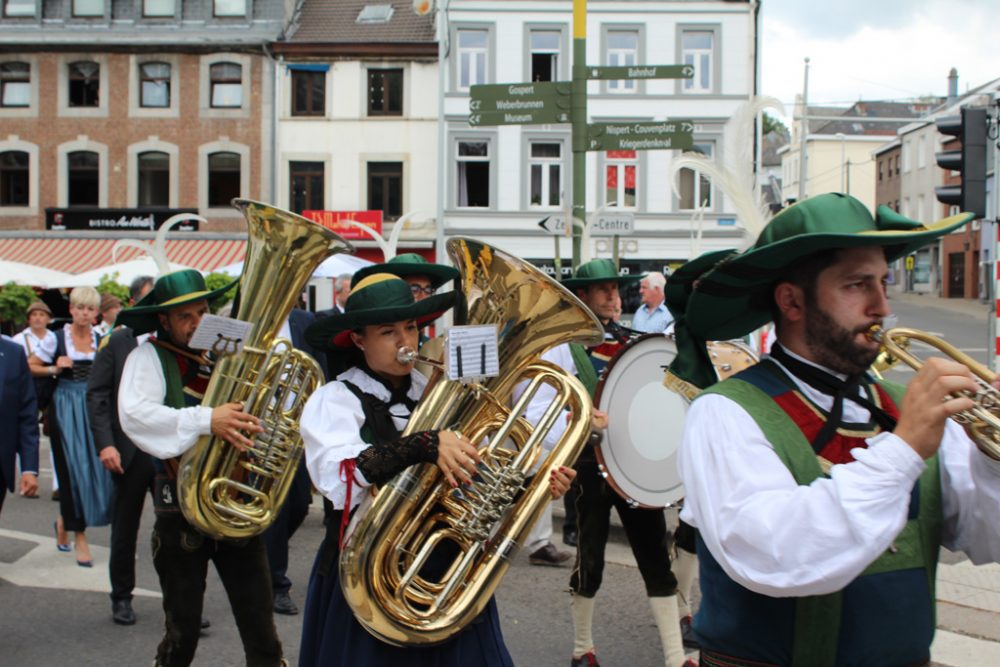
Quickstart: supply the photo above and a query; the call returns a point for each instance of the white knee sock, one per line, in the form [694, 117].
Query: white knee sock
[583, 622]
[685, 566]
[668, 623]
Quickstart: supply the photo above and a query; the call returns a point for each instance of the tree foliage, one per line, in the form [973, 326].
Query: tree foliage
[108, 284]
[216, 280]
[14, 300]
[774, 124]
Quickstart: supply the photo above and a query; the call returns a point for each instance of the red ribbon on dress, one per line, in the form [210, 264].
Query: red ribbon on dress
[347, 468]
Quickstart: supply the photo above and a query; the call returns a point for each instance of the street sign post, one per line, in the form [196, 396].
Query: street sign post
[666, 135]
[641, 72]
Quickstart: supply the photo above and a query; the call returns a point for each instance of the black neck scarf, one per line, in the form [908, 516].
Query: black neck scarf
[831, 385]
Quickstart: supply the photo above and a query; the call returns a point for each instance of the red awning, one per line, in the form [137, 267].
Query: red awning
[79, 255]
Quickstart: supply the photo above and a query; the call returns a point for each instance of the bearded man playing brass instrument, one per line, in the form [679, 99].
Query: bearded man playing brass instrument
[159, 403]
[821, 496]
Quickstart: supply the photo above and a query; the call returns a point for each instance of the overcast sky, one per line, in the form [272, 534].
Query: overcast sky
[876, 49]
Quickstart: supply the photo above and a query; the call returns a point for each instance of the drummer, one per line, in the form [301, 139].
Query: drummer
[596, 283]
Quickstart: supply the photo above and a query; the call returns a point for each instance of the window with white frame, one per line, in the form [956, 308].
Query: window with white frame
[15, 84]
[544, 45]
[695, 188]
[154, 85]
[621, 176]
[905, 152]
[473, 160]
[18, 8]
[226, 83]
[15, 178]
[157, 8]
[87, 8]
[83, 178]
[473, 57]
[223, 178]
[623, 51]
[84, 84]
[222, 8]
[153, 178]
[698, 49]
[545, 174]
[921, 152]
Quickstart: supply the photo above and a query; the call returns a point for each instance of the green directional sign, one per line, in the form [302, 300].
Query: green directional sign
[542, 117]
[543, 102]
[661, 135]
[642, 72]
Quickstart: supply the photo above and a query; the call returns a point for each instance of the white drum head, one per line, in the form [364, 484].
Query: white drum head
[645, 422]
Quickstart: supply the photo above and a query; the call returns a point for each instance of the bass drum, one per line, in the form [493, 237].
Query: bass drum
[729, 357]
[638, 453]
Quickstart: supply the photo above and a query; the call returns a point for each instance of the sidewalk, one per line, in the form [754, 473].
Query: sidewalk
[971, 307]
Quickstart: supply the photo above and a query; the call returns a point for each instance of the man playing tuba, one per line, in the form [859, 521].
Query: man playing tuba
[159, 403]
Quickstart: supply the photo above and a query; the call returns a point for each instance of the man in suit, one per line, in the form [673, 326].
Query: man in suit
[19, 420]
[131, 468]
[296, 506]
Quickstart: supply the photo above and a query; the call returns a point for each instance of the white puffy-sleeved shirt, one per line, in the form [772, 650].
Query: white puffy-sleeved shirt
[561, 356]
[331, 429]
[44, 348]
[778, 538]
[155, 428]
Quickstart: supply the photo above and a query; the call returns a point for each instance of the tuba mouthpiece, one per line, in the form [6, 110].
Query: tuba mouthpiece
[406, 355]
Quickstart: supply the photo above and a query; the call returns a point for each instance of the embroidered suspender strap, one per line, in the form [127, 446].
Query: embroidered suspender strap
[172, 378]
[584, 368]
[817, 617]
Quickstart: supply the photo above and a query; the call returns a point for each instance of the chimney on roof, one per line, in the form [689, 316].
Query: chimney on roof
[952, 86]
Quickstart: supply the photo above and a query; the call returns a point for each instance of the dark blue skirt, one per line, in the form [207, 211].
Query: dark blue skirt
[332, 636]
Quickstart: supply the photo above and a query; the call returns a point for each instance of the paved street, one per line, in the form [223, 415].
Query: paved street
[56, 613]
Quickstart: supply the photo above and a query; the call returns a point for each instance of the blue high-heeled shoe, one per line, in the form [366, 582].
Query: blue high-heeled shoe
[61, 547]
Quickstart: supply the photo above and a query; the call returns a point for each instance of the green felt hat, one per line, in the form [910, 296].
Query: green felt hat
[598, 271]
[377, 299]
[171, 290]
[730, 292]
[409, 264]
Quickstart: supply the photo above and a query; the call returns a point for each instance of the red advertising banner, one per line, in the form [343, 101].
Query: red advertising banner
[335, 221]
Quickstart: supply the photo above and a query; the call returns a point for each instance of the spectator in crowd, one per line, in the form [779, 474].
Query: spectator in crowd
[652, 316]
[110, 306]
[19, 421]
[131, 468]
[85, 486]
[37, 339]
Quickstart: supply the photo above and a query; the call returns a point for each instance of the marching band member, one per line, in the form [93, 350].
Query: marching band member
[159, 405]
[596, 283]
[822, 497]
[351, 428]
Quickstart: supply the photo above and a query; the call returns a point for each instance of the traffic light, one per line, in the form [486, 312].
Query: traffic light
[969, 160]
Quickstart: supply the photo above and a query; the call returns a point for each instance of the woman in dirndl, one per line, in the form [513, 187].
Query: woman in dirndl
[351, 428]
[85, 487]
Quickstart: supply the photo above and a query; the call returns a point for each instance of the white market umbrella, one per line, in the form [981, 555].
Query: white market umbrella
[331, 267]
[29, 274]
[127, 272]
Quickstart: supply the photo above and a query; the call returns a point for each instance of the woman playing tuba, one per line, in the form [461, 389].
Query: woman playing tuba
[351, 428]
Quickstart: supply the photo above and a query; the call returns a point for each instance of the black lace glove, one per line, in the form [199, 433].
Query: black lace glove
[381, 462]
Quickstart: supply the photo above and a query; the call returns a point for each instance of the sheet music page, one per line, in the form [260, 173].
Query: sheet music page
[220, 334]
[472, 352]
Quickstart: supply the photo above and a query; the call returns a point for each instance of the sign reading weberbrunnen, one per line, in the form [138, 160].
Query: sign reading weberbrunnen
[631, 136]
[542, 102]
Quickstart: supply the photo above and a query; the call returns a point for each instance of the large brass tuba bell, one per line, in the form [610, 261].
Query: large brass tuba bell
[473, 532]
[223, 492]
[981, 421]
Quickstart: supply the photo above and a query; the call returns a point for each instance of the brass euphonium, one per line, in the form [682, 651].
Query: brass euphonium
[476, 529]
[223, 492]
[982, 420]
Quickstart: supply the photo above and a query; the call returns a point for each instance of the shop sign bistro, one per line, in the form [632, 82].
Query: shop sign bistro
[94, 219]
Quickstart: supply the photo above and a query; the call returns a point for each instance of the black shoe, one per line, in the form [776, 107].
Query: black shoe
[205, 623]
[588, 659]
[548, 555]
[569, 537]
[121, 612]
[283, 604]
[687, 634]
[55, 495]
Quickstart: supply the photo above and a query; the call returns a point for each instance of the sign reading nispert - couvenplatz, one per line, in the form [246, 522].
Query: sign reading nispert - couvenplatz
[658, 135]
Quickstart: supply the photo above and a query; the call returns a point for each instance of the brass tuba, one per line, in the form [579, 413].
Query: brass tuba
[981, 421]
[223, 492]
[473, 532]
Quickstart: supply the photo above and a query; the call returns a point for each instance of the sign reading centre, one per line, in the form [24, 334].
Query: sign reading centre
[608, 223]
[335, 221]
